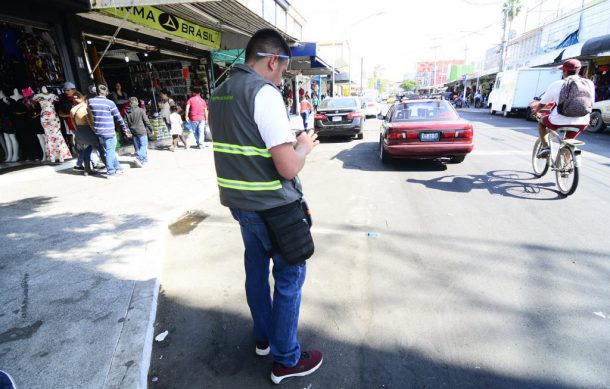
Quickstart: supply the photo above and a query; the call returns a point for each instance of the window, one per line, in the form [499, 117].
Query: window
[298, 30]
[269, 11]
[424, 111]
[348, 102]
[280, 18]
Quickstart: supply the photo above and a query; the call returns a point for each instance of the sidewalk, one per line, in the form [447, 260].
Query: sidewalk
[80, 264]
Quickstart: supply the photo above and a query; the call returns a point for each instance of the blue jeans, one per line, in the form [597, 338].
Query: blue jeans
[84, 155]
[274, 320]
[108, 145]
[140, 143]
[198, 129]
[305, 116]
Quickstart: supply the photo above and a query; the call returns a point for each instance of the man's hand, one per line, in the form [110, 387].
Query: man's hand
[307, 140]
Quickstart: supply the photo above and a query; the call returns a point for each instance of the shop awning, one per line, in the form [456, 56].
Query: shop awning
[597, 45]
[231, 56]
[305, 59]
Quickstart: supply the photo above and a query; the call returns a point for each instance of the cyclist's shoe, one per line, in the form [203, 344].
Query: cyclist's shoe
[544, 152]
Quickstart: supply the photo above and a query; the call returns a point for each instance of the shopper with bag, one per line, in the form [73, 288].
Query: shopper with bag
[257, 160]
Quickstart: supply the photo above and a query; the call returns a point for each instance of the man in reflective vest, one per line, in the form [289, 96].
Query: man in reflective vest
[257, 160]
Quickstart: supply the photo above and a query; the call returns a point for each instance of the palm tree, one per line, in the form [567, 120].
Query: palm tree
[510, 9]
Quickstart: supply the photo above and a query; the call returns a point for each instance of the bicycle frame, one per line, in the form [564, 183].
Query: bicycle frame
[571, 143]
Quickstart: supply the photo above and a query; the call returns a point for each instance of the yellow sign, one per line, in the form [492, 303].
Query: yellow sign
[162, 21]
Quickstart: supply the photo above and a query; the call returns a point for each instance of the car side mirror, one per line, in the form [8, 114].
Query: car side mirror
[381, 117]
[537, 98]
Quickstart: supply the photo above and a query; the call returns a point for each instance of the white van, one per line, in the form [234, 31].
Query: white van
[514, 90]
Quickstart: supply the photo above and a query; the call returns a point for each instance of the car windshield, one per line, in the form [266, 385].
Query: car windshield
[339, 103]
[424, 111]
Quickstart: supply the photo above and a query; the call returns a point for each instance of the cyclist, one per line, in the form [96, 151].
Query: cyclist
[555, 120]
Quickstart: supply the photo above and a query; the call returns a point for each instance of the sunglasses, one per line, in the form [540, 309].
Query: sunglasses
[281, 56]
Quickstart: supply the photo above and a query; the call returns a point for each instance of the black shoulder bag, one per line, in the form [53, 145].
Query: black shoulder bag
[289, 229]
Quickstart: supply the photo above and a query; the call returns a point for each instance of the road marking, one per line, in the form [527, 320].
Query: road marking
[502, 152]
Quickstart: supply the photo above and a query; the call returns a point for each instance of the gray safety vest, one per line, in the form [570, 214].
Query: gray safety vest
[247, 178]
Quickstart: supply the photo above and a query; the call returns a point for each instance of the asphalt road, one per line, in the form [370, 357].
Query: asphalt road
[477, 275]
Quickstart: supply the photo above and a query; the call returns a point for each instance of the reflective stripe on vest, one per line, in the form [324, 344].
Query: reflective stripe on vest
[245, 185]
[241, 150]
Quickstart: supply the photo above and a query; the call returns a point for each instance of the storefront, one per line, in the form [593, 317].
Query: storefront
[39, 53]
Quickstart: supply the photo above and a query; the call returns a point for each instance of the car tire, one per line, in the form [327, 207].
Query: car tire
[457, 159]
[491, 110]
[383, 155]
[528, 114]
[360, 136]
[505, 114]
[596, 123]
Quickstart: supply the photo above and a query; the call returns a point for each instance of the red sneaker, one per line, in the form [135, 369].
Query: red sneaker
[309, 362]
[262, 348]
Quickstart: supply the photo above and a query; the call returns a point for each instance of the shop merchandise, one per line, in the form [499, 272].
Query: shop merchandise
[8, 138]
[17, 113]
[56, 147]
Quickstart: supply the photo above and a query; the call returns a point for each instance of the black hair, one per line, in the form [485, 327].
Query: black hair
[173, 108]
[196, 90]
[266, 40]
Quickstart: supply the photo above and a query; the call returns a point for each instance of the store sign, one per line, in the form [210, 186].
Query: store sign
[97, 4]
[156, 19]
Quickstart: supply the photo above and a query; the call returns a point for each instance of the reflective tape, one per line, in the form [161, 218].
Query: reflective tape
[248, 151]
[249, 185]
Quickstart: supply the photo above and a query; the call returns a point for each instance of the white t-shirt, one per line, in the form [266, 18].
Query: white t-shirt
[552, 95]
[271, 118]
[175, 123]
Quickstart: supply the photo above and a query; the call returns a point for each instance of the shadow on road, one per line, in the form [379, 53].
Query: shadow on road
[517, 184]
[364, 156]
[223, 357]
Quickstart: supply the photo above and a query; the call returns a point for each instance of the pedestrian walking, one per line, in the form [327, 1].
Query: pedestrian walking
[257, 160]
[85, 138]
[196, 115]
[165, 103]
[177, 129]
[306, 109]
[139, 126]
[314, 102]
[105, 112]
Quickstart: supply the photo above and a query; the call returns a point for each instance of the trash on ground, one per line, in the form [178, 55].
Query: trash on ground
[155, 379]
[161, 336]
[373, 234]
[600, 314]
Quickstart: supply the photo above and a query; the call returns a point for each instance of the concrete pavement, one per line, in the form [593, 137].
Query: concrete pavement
[80, 263]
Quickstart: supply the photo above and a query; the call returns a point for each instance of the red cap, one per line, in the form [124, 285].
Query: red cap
[570, 64]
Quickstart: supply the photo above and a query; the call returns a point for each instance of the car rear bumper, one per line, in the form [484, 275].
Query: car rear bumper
[338, 130]
[428, 151]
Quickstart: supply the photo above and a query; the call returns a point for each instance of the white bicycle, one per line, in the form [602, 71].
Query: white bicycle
[566, 163]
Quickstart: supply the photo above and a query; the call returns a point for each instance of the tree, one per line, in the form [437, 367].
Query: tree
[510, 9]
[409, 85]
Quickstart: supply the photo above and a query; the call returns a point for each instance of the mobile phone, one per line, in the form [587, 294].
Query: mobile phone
[297, 133]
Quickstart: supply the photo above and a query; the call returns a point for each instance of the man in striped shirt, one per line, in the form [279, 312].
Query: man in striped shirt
[105, 112]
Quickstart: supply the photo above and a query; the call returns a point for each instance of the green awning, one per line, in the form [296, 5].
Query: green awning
[230, 56]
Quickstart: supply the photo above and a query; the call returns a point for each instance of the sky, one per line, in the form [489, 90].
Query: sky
[395, 34]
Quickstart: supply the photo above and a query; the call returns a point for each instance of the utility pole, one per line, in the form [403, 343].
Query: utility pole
[361, 72]
[504, 39]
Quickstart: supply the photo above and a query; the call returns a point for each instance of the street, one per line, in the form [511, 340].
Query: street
[425, 275]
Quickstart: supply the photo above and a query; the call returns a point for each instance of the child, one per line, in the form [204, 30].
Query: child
[176, 127]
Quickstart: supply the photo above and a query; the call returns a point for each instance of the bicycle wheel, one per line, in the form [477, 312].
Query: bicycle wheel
[567, 171]
[540, 165]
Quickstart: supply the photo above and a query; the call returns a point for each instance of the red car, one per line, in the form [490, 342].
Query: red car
[424, 129]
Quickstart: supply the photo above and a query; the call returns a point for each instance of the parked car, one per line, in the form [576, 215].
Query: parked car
[600, 116]
[534, 103]
[390, 100]
[424, 129]
[340, 116]
[372, 108]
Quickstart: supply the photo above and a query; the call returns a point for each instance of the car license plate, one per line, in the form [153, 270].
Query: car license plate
[429, 137]
[336, 118]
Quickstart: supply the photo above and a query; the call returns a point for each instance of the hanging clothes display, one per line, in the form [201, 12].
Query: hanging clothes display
[56, 146]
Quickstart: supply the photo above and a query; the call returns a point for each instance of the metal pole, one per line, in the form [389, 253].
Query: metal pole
[361, 70]
[113, 38]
